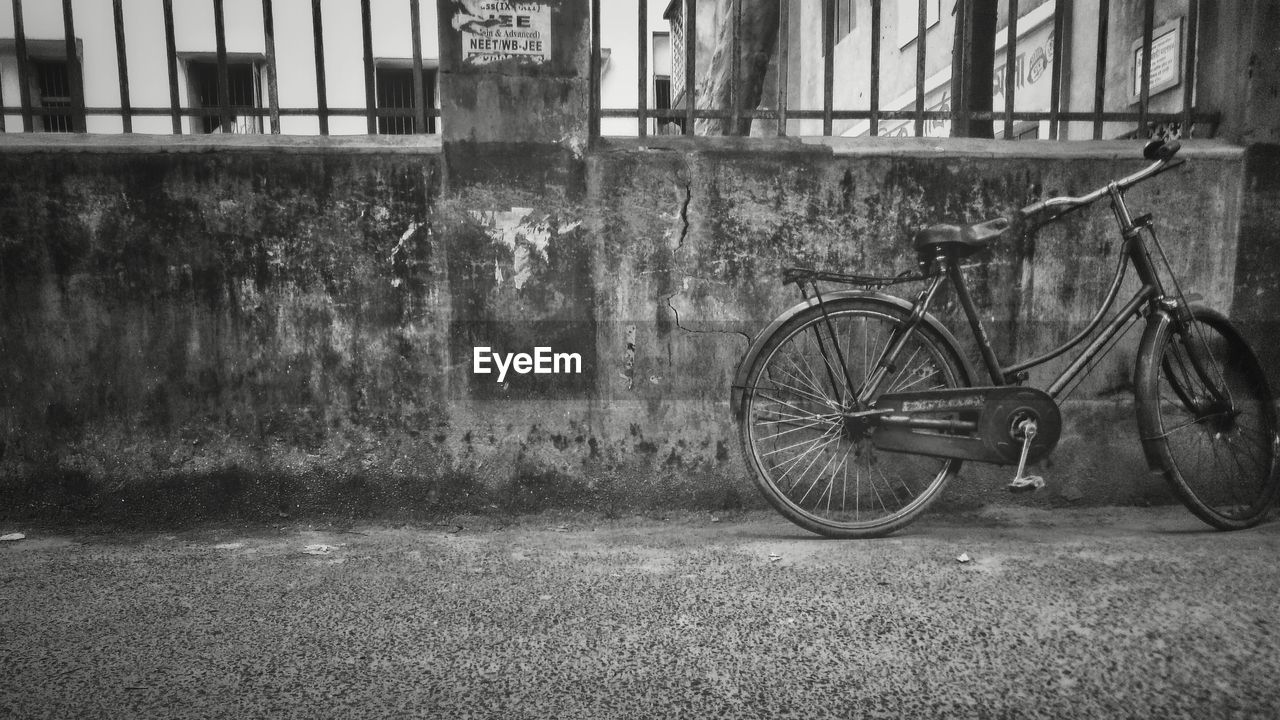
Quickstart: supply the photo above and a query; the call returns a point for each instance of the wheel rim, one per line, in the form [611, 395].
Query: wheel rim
[1218, 422]
[815, 462]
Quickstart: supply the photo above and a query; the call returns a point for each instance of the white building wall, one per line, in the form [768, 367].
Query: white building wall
[194, 32]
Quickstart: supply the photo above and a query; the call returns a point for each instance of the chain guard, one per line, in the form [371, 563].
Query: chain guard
[968, 423]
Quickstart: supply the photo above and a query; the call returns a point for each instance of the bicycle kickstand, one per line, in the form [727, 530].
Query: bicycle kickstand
[1021, 482]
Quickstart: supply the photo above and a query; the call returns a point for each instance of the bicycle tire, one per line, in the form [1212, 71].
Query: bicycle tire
[788, 420]
[1208, 419]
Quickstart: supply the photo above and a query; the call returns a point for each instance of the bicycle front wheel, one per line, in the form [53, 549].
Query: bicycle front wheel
[1208, 418]
[812, 462]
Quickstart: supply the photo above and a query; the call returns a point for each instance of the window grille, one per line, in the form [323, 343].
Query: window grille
[244, 96]
[53, 86]
[894, 74]
[52, 98]
[395, 92]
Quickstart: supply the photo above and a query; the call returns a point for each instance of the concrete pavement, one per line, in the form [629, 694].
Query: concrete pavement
[1069, 613]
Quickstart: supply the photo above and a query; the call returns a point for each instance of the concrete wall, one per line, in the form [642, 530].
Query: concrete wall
[256, 326]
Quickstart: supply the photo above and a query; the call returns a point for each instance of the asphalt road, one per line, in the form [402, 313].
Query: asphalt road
[1065, 614]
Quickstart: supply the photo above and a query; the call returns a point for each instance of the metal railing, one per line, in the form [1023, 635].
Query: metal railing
[71, 111]
[420, 112]
[692, 109]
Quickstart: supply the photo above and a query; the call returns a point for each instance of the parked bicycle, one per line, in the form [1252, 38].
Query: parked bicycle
[855, 408]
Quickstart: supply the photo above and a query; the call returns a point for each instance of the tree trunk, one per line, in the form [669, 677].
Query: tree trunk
[757, 38]
[973, 65]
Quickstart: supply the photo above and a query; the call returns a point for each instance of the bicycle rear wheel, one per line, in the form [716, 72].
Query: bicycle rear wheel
[1208, 418]
[810, 461]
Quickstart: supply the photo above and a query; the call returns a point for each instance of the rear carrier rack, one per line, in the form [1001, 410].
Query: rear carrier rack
[806, 276]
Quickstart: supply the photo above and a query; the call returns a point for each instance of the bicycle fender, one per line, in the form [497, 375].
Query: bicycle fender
[1158, 323]
[757, 344]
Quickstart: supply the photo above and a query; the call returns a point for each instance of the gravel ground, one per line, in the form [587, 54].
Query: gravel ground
[1067, 614]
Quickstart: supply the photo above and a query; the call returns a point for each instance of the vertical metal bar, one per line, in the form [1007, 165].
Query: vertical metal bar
[24, 68]
[322, 94]
[784, 49]
[593, 118]
[643, 43]
[419, 96]
[1060, 10]
[1010, 67]
[735, 47]
[370, 95]
[690, 63]
[962, 69]
[1100, 74]
[75, 74]
[122, 66]
[171, 52]
[224, 77]
[1148, 30]
[874, 129]
[1189, 73]
[273, 87]
[828, 63]
[922, 27]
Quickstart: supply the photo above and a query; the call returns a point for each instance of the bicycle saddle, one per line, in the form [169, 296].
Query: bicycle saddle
[959, 240]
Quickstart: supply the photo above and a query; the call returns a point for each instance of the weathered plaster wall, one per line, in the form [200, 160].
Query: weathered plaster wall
[193, 326]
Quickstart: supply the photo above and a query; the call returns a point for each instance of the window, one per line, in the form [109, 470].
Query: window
[909, 19]
[845, 19]
[662, 60]
[662, 101]
[676, 45]
[244, 93]
[394, 91]
[52, 87]
[51, 83]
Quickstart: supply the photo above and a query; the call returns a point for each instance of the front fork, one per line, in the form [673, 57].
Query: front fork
[1176, 307]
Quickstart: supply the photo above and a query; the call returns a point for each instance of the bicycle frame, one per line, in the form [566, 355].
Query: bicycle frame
[864, 399]
[1149, 297]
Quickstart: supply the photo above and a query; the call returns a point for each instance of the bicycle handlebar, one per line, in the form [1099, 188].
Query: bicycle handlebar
[1159, 150]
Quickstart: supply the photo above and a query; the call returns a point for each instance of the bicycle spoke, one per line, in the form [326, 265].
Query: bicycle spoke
[807, 378]
[786, 404]
[834, 375]
[804, 394]
[813, 381]
[817, 479]
[788, 419]
[812, 464]
[802, 442]
[1232, 487]
[791, 430]
[1214, 413]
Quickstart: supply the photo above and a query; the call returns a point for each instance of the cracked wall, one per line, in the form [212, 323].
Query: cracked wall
[270, 330]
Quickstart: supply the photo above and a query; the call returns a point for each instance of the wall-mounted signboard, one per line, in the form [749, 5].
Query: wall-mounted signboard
[1166, 59]
[493, 30]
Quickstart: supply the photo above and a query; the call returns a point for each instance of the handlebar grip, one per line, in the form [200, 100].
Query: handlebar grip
[1032, 209]
[1162, 150]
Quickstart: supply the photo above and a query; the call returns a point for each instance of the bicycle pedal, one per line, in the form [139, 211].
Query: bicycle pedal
[1026, 484]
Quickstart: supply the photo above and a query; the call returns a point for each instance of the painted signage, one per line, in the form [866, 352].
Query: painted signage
[1166, 59]
[493, 30]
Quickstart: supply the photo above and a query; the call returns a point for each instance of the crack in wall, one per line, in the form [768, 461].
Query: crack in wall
[684, 214]
[684, 234]
[676, 314]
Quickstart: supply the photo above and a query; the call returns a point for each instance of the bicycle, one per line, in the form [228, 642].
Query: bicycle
[856, 407]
